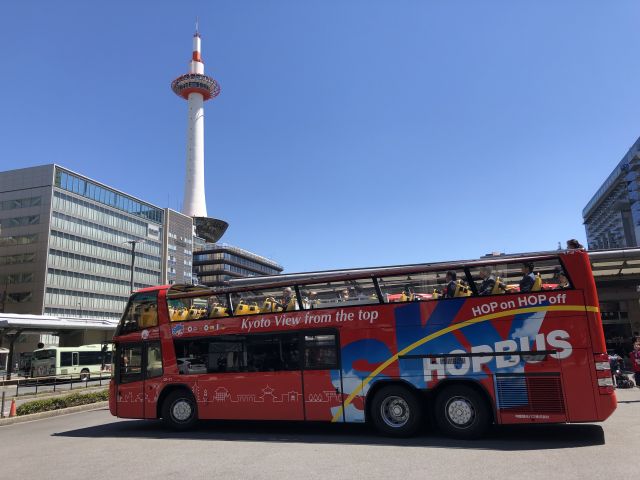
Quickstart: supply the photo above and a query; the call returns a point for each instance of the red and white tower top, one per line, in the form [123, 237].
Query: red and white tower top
[196, 81]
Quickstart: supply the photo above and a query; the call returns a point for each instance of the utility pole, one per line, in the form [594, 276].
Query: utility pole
[3, 295]
[133, 258]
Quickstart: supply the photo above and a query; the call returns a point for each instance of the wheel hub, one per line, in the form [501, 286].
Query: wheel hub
[460, 412]
[181, 410]
[395, 411]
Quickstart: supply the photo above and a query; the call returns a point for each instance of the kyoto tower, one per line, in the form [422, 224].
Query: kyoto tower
[196, 88]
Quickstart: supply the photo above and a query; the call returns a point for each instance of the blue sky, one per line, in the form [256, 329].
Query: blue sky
[348, 133]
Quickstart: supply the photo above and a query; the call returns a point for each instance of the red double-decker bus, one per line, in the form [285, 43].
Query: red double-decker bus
[502, 340]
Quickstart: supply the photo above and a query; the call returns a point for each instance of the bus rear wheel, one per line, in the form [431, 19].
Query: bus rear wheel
[85, 375]
[179, 410]
[396, 411]
[462, 412]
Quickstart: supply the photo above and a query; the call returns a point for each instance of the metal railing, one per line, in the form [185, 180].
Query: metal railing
[26, 387]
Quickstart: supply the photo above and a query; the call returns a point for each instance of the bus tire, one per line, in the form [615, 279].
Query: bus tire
[461, 412]
[84, 375]
[179, 410]
[396, 411]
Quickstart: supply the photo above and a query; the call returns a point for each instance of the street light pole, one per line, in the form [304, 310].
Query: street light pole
[133, 259]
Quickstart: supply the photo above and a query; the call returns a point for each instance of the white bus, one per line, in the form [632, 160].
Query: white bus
[84, 361]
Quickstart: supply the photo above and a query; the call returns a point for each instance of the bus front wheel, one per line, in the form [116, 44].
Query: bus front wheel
[179, 410]
[85, 375]
[396, 411]
[462, 412]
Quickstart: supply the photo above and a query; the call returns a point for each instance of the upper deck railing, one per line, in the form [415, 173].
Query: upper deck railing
[275, 281]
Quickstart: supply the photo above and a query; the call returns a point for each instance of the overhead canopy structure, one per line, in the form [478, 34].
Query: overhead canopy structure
[615, 264]
[51, 324]
[12, 325]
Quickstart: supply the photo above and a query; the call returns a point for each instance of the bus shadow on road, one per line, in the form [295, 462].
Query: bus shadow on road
[507, 438]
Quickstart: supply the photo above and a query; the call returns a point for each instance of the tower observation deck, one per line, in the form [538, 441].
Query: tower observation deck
[197, 88]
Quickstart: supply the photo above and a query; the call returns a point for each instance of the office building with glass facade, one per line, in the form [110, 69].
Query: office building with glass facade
[612, 216]
[65, 244]
[179, 242]
[215, 263]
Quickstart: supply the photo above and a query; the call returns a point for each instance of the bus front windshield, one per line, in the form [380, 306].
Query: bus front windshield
[44, 354]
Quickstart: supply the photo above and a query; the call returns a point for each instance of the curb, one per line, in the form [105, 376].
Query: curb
[53, 413]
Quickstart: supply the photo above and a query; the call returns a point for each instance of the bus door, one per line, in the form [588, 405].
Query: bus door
[75, 362]
[321, 376]
[129, 382]
[138, 369]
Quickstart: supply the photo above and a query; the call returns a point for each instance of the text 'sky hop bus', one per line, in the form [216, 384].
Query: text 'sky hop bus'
[465, 342]
[81, 362]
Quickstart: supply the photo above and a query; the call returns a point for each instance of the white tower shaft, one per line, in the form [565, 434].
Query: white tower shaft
[195, 204]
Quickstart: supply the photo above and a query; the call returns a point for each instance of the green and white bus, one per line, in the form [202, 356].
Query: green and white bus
[84, 361]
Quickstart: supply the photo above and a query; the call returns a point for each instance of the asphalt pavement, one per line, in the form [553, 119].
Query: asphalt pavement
[96, 445]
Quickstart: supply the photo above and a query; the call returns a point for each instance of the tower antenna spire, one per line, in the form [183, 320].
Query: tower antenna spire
[197, 32]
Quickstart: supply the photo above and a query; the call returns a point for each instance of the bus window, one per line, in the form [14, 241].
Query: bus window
[510, 277]
[424, 286]
[238, 353]
[195, 308]
[408, 288]
[320, 352]
[217, 306]
[281, 299]
[272, 352]
[154, 360]
[343, 293]
[130, 368]
[142, 312]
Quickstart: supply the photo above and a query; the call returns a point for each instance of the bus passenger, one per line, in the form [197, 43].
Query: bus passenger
[343, 296]
[311, 300]
[488, 281]
[288, 301]
[573, 244]
[563, 281]
[450, 289]
[528, 278]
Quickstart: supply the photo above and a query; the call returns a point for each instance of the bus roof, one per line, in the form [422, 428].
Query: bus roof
[79, 348]
[274, 281]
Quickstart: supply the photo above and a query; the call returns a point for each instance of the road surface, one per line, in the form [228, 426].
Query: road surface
[96, 445]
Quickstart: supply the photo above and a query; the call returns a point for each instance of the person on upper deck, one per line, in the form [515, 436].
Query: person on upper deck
[573, 244]
[488, 281]
[288, 301]
[563, 281]
[450, 289]
[528, 279]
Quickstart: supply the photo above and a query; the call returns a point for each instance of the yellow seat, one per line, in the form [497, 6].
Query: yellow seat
[182, 314]
[498, 287]
[219, 311]
[149, 316]
[537, 285]
[291, 305]
[270, 305]
[407, 298]
[435, 295]
[245, 309]
[461, 290]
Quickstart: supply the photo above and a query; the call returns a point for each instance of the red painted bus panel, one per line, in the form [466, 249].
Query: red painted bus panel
[251, 396]
[532, 353]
